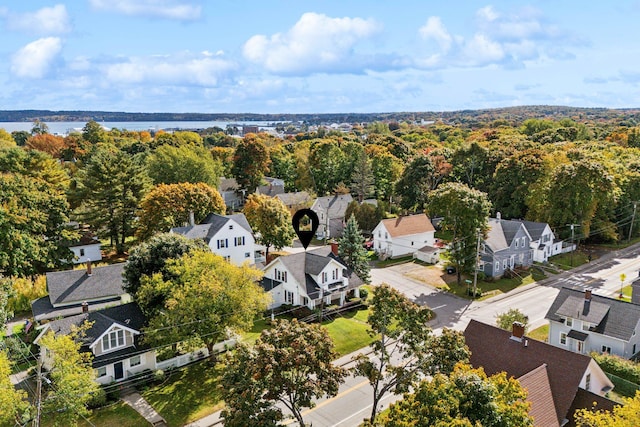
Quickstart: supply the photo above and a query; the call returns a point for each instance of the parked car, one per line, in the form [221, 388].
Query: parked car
[450, 270]
[368, 244]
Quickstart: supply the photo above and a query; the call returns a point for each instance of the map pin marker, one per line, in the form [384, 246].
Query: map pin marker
[305, 223]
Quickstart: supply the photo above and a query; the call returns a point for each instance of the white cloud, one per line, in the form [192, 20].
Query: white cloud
[435, 30]
[316, 43]
[35, 59]
[201, 70]
[48, 20]
[168, 9]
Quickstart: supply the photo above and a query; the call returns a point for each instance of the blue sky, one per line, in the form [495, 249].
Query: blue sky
[295, 56]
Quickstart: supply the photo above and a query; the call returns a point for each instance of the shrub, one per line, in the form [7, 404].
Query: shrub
[26, 290]
[618, 366]
[364, 293]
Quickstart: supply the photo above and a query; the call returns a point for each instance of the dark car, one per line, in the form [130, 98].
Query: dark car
[450, 270]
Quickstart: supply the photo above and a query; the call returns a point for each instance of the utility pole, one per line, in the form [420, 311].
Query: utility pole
[572, 240]
[475, 271]
[36, 420]
[633, 218]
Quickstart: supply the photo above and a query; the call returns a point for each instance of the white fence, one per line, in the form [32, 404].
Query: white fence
[185, 359]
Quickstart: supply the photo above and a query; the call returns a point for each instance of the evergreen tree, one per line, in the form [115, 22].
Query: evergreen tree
[352, 251]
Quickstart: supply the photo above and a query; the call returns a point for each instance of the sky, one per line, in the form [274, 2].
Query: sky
[317, 56]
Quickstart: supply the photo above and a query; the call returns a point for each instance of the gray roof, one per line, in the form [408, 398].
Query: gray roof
[43, 310]
[336, 206]
[228, 184]
[619, 322]
[501, 233]
[73, 286]
[577, 307]
[211, 225]
[270, 190]
[534, 229]
[291, 199]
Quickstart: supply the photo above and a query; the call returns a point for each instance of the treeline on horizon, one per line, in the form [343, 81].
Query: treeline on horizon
[470, 118]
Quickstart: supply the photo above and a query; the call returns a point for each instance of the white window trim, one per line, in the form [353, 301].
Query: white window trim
[563, 335]
[131, 361]
[101, 372]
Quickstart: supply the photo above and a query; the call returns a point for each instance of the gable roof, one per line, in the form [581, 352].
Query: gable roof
[291, 199]
[539, 394]
[73, 286]
[535, 229]
[619, 320]
[335, 206]
[408, 225]
[211, 225]
[588, 400]
[494, 350]
[502, 232]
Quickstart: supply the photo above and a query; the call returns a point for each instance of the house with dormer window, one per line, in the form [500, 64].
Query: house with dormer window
[113, 338]
[310, 278]
[507, 247]
[582, 322]
[229, 236]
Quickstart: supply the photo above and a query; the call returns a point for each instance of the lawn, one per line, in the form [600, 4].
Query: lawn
[570, 260]
[499, 286]
[179, 401]
[117, 415]
[540, 334]
[349, 332]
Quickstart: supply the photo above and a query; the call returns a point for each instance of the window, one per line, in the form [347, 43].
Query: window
[230, 226]
[606, 349]
[247, 254]
[386, 235]
[101, 371]
[324, 276]
[412, 243]
[288, 297]
[504, 264]
[81, 251]
[223, 243]
[587, 382]
[113, 339]
[580, 347]
[524, 242]
[227, 258]
[134, 361]
[379, 233]
[586, 326]
[497, 265]
[517, 243]
[305, 300]
[569, 322]
[239, 241]
[563, 338]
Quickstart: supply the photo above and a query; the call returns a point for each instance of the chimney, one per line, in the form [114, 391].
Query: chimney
[89, 267]
[85, 307]
[192, 218]
[517, 331]
[587, 294]
[334, 248]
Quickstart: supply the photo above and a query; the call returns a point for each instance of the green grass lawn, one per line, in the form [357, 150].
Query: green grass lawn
[540, 334]
[349, 333]
[570, 260]
[499, 286]
[117, 415]
[187, 394]
[388, 262]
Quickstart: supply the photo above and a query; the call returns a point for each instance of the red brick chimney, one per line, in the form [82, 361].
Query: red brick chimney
[517, 331]
[334, 248]
[587, 294]
[89, 267]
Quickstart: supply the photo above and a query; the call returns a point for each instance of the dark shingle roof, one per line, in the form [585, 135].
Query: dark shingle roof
[534, 229]
[586, 399]
[494, 350]
[211, 225]
[619, 322]
[577, 307]
[539, 394]
[73, 286]
[43, 310]
[336, 206]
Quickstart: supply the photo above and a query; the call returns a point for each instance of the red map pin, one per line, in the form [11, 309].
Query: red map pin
[305, 223]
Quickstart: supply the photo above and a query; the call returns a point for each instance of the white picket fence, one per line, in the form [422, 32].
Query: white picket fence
[185, 359]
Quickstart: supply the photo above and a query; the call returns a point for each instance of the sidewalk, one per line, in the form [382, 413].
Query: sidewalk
[137, 402]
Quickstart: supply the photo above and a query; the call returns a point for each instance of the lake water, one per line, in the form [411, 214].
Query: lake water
[63, 128]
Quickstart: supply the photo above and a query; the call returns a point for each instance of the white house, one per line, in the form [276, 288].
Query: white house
[87, 248]
[113, 339]
[543, 241]
[582, 322]
[229, 236]
[405, 235]
[331, 211]
[307, 278]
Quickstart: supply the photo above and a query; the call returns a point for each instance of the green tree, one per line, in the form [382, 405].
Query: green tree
[283, 166]
[250, 162]
[386, 171]
[398, 326]
[110, 188]
[505, 320]
[20, 137]
[6, 293]
[13, 403]
[415, 184]
[33, 216]
[151, 257]
[35, 164]
[465, 213]
[290, 364]
[39, 128]
[207, 293]
[352, 251]
[325, 162]
[73, 383]
[362, 178]
[168, 205]
[271, 220]
[6, 140]
[94, 133]
[186, 163]
[367, 215]
[467, 398]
